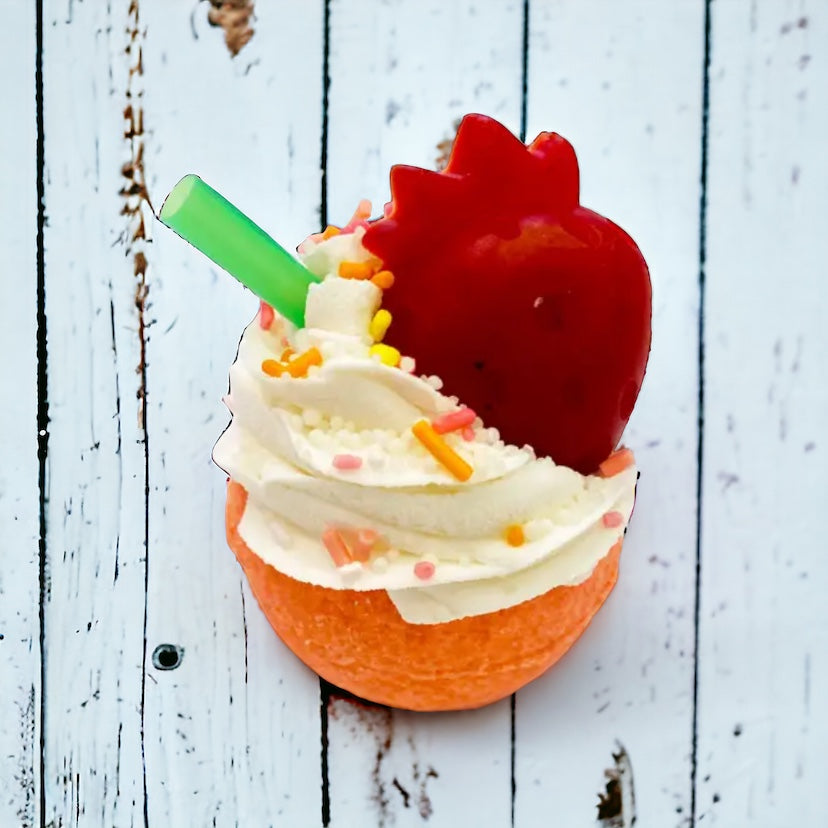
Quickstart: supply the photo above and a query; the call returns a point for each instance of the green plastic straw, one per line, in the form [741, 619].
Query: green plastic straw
[210, 223]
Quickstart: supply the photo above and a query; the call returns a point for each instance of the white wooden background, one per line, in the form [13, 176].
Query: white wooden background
[700, 128]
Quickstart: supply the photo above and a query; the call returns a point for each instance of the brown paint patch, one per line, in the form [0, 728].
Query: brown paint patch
[444, 147]
[236, 18]
[134, 188]
[365, 718]
[616, 804]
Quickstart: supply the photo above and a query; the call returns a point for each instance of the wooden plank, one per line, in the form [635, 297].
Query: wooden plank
[95, 568]
[624, 82]
[233, 734]
[19, 563]
[763, 678]
[402, 73]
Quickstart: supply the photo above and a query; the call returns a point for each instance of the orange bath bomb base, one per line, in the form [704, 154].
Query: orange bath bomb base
[359, 642]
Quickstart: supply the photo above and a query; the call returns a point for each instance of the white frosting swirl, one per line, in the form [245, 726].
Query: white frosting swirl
[287, 431]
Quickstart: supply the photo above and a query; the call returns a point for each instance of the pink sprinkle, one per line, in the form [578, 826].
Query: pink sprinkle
[364, 544]
[336, 547]
[265, 315]
[424, 570]
[347, 462]
[467, 434]
[453, 421]
[612, 520]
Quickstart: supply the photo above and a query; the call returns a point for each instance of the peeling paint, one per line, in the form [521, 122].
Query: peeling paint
[616, 804]
[235, 17]
[134, 189]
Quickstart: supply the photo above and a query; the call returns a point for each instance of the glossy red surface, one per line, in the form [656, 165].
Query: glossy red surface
[533, 310]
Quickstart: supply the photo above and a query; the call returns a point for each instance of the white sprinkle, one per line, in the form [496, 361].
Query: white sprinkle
[380, 564]
[538, 302]
[312, 417]
[316, 437]
[350, 570]
[435, 382]
[408, 364]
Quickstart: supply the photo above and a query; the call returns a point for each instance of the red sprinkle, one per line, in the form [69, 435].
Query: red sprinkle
[347, 462]
[266, 315]
[467, 434]
[424, 570]
[612, 520]
[339, 552]
[453, 421]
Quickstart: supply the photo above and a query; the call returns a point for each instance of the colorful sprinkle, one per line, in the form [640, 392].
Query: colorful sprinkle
[383, 280]
[266, 315]
[299, 366]
[616, 463]
[387, 355]
[468, 434]
[514, 535]
[347, 462]
[424, 570]
[453, 420]
[287, 354]
[364, 543]
[379, 325]
[339, 552]
[356, 270]
[360, 216]
[612, 520]
[441, 451]
[273, 368]
[329, 232]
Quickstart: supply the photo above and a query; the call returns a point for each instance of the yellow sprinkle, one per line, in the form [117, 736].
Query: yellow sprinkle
[329, 231]
[379, 325]
[388, 355]
[299, 367]
[514, 535]
[273, 368]
[441, 451]
[356, 270]
[383, 280]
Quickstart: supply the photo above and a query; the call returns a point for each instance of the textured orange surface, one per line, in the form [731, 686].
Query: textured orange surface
[357, 640]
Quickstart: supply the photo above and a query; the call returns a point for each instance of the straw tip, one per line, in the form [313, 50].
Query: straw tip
[177, 196]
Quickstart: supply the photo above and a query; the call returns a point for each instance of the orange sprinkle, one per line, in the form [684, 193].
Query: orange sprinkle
[356, 270]
[299, 367]
[273, 368]
[383, 280]
[287, 354]
[514, 535]
[616, 463]
[339, 552]
[441, 451]
[329, 231]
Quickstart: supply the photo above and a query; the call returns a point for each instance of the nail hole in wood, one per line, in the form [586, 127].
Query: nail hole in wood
[167, 656]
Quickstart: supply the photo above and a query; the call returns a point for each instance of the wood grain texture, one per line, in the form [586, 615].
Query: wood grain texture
[763, 652]
[624, 83]
[19, 560]
[233, 734]
[402, 74]
[96, 560]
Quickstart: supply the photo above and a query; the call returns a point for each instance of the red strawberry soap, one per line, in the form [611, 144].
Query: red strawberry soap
[533, 310]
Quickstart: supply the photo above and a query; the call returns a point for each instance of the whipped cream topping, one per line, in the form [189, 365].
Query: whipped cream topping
[438, 546]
